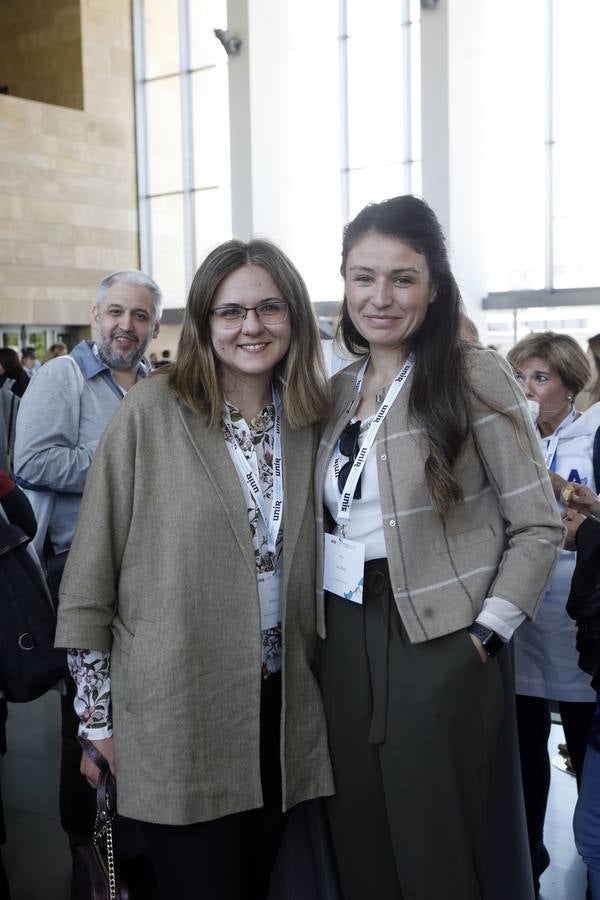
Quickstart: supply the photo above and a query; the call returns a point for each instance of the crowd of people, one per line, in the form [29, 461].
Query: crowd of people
[358, 603]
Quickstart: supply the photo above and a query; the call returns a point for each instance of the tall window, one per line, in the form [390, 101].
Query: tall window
[183, 138]
[575, 136]
[381, 133]
[543, 139]
[351, 78]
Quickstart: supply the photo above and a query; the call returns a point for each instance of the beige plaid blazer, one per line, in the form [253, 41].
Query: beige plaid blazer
[502, 540]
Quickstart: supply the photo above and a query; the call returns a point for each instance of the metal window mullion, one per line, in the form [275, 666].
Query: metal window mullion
[165, 75]
[407, 148]
[549, 150]
[344, 125]
[187, 144]
[141, 135]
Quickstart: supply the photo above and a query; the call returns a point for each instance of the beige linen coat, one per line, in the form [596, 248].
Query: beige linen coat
[503, 540]
[162, 573]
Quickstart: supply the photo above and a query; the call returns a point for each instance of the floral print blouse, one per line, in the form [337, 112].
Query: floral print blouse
[91, 668]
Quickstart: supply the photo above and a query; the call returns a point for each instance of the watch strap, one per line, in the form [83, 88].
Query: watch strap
[491, 641]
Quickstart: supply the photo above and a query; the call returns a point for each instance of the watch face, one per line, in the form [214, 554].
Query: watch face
[492, 643]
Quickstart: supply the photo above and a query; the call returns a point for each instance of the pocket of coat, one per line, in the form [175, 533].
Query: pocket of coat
[138, 667]
[465, 539]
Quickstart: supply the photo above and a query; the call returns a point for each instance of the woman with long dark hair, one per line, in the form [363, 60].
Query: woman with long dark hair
[439, 531]
[205, 624]
[11, 368]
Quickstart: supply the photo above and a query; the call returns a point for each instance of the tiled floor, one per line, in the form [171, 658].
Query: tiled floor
[37, 857]
[565, 878]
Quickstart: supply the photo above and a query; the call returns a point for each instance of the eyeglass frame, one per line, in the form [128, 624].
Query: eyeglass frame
[284, 304]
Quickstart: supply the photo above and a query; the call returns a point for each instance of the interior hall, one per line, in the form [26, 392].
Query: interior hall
[141, 134]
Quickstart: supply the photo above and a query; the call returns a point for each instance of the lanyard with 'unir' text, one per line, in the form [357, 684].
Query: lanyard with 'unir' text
[273, 520]
[345, 502]
[552, 445]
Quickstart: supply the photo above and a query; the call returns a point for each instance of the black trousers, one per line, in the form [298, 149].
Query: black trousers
[413, 730]
[4, 889]
[77, 799]
[230, 858]
[533, 718]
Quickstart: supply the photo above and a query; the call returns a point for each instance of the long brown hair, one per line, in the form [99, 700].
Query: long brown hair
[195, 376]
[441, 392]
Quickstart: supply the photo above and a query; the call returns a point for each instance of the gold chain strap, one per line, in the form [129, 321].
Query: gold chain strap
[110, 860]
[103, 829]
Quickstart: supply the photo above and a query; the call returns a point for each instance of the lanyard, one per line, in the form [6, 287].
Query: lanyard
[345, 502]
[249, 479]
[550, 451]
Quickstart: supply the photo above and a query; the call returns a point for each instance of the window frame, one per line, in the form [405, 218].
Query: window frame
[188, 189]
[548, 296]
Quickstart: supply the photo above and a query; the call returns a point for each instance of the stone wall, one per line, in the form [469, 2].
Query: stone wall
[68, 201]
[40, 51]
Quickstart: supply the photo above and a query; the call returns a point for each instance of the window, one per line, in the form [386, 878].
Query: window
[542, 187]
[360, 142]
[183, 138]
[505, 328]
[380, 48]
[575, 145]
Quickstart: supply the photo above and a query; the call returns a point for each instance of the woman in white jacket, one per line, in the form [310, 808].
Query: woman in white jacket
[552, 369]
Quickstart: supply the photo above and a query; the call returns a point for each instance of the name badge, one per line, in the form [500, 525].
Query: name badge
[344, 567]
[270, 589]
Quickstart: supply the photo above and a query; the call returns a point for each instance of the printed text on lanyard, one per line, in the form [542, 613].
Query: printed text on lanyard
[347, 497]
[273, 520]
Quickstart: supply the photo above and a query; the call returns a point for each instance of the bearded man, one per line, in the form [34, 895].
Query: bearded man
[60, 422]
[73, 398]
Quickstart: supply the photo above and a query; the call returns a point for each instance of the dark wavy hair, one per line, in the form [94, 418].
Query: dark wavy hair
[441, 394]
[10, 362]
[196, 375]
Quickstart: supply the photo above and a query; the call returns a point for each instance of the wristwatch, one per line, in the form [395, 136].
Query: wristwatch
[492, 642]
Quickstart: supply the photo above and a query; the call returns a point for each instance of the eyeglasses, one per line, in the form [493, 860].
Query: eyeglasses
[270, 312]
[348, 445]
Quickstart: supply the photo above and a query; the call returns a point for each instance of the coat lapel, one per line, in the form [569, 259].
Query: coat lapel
[214, 456]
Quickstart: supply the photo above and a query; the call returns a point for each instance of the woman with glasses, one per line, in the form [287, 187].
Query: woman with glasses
[439, 531]
[552, 370]
[191, 622]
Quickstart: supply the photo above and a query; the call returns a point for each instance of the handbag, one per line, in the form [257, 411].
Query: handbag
[98, 859]
[29, 663]
[9, 405]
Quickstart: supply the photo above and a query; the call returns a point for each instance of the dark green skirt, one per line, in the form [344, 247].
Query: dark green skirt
[414, 733]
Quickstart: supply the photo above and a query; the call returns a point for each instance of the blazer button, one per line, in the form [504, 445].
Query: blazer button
[392, 523]
[383, 456]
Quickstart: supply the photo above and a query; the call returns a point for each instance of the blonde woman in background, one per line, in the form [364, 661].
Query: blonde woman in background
[55, 350]
[552, 369]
